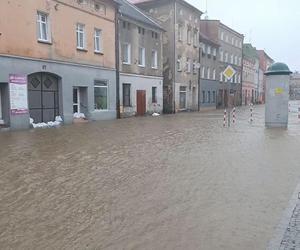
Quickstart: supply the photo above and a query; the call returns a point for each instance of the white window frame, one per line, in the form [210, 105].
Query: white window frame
[107, 93]
[179, 64]
[98, 40]
[154, 59]
[221, 55]
[226, 57]
[214, 74]
[208, 50]
[196, 38]
[236, 60]
[214, 52]
[142, 53]
[188, 65]
[203, 72]
[189, 36]
[128, 51]
[208, 72]
[40, 26]
[231, 58]
[180, 32]
[222, 35]
[80, 30]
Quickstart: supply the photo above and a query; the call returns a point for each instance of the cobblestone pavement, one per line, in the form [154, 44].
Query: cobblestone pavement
[171, 182]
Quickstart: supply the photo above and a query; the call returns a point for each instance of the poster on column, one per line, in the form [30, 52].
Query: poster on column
[18, 94]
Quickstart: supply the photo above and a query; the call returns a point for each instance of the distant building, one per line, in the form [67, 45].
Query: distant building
[181, 21]
[265, 61]
[295, 86]
[209, 72]
[250, 84]
[230, 53]
[65, 50]
[141, 62]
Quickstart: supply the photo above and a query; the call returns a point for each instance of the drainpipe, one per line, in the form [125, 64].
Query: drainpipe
[117, 45]
[175, 59]
[199, 72]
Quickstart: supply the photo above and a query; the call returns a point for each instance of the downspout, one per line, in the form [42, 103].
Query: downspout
[117, 45]
[175, 59]
[199, 70]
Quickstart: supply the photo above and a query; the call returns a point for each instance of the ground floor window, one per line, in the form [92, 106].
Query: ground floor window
[208, 96]
[126, 95]
[101, 95]
[76, 100]
[182, 98]
[203, 96]
[154, 94]
[214, 96]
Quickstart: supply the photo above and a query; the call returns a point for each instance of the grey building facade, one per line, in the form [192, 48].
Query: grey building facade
[180, 52]
[295, 86]
[209, 72]
[141, 68]
[230, 53]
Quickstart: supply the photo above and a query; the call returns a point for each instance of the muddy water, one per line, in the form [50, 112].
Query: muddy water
[171, 182]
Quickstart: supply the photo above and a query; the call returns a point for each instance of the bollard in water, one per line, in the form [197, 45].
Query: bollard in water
[225, 114]
[233, 116]
[251, 112]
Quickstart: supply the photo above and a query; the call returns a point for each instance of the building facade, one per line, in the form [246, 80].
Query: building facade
[250, 85]
[181, 21]
[230, 53]
[209, 72]
[141, 69]
[265, 61]
[295, 86]
[65, 52]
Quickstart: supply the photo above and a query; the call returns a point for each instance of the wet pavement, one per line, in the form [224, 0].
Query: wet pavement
[170, 182]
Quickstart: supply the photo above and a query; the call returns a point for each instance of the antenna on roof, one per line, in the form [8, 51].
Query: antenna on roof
[206, 12]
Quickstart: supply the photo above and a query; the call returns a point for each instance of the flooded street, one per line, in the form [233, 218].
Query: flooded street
[171, 182]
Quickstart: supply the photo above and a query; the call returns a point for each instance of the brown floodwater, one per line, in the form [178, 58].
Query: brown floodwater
[171, 182]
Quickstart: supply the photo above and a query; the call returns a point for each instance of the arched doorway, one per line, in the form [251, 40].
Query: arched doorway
[43, 97]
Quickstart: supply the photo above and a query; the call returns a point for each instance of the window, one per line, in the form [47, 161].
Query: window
[97, 40]
[208, 96]
[203, 49]
[221, 55]
[214, 52]
[195, 67]
[227, 38]
[232, 40]
[189, 34]
[126, 53]
[154, 94]
[222, 36]
[188, 65]
[240, 61]
[101, 95]
[203, 72]
[80, 31]
[208, 50]
[240, 44]
[154, 35]
[126, 95]
[214, 97]
[180, 32]
[179, 63]
[196, 38]
[221, 76]
[141, 31]
[154, 59]
[141, 61]
[208, 73]
[236, 60]
[43, 27]
[231, 59]
[214, 74]
[203, 97]
[236, 43]
[226, 57]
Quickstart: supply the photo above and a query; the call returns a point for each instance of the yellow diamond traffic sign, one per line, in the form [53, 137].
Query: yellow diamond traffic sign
[229, 72]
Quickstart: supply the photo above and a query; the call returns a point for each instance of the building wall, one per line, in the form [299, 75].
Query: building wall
[146, 83]
[295, 86]
[19, 35]
[70, 76]
[131, 36]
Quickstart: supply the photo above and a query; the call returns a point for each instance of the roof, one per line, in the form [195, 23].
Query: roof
[249, 51]
[278, 69]
[137, 2]
[264, 52]
[131, 11]
[204, 38]
[224, 26]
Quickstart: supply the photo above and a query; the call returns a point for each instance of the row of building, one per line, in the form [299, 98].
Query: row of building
[109, 59]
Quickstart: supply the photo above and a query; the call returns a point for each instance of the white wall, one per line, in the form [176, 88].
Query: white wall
[139, 82]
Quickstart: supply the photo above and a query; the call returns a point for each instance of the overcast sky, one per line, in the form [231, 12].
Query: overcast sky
[272, 25]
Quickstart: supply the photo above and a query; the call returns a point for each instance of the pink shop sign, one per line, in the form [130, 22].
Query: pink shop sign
[18, 94]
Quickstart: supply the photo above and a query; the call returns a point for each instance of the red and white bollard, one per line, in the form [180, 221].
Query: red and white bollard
[251, 112]
[225, 115]
[233, 116]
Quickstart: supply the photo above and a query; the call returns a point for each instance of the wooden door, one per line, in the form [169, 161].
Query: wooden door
[141, 102]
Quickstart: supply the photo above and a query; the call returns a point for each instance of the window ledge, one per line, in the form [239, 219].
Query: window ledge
[81, 49]
[45, 42]
[142, 66]
[156, 68]
[101, 110]
[98, 52]
[126, 63]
